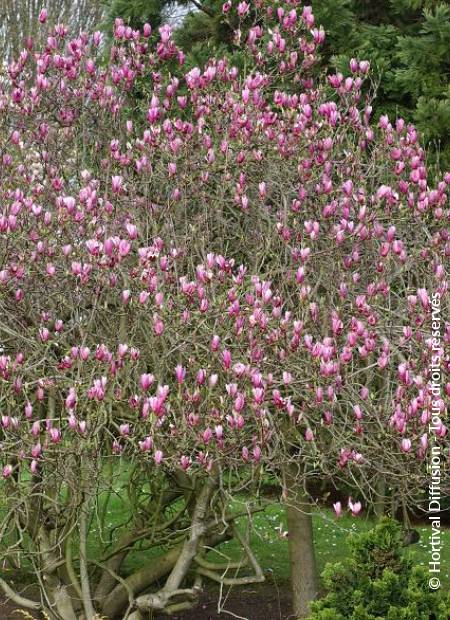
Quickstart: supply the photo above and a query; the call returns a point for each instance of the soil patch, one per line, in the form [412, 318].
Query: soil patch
[259, 602]
[11, 611]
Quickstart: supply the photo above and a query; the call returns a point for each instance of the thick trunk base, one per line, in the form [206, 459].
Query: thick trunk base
[304, 582]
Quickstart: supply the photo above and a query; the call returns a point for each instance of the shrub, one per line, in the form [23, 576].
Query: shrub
[379, 581]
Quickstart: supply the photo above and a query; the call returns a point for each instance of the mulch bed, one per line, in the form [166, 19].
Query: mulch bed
[259, 602]
[10, 611]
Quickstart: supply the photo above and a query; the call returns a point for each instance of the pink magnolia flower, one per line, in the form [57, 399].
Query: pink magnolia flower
[355, 507]
[71, 399]
[215, 343]
[72, 422]
[309, 435]
[347, 187]
[239, 403]
[132, 231]
[84, 353]
[55, 435]
[143, 297]
[7, 471]
[44, 334]
[441, 430]
[354, 65]
[243, 8]
[257, 454]
[328, 417]
[207, 435]
[424, 299]
[406, 445]
[338, 509]
[156, 405]
[82, 426]
[213, 379]
[364, 393]
[97, 38]
[364, 66]
[201, 376]
[117, 184]
[124, 247]
[98, 390]
[122, 350]
[180, 373]
[146, 445]
[185, 462]
[146, 380]
[124, 430]
[226, 359]
[287, 377]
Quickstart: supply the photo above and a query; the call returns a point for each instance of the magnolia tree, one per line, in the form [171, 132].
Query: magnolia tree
[206, 279]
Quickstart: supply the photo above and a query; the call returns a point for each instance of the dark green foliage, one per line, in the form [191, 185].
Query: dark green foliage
[379, 582]
[208, 28]
[406, 41]
[424, 74]
[408, 45]
[137, 12]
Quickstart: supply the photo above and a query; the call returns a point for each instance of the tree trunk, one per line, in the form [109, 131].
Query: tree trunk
[302, 557]
[117, 599]
[380, 501]
[189, 549]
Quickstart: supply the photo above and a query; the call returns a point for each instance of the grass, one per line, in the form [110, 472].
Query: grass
[331, 542]
[268, 540]
[270, 544]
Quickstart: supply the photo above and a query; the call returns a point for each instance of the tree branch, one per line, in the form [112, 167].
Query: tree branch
[202, 8]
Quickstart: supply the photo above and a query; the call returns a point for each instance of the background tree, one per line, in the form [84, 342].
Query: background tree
[18, 21]
[407, 44]
[406, 41]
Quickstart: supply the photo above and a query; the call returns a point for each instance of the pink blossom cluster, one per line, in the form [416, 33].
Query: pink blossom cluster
[128, 319]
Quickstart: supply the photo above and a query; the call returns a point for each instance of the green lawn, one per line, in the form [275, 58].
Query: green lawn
[330, 535]
[269, 544]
